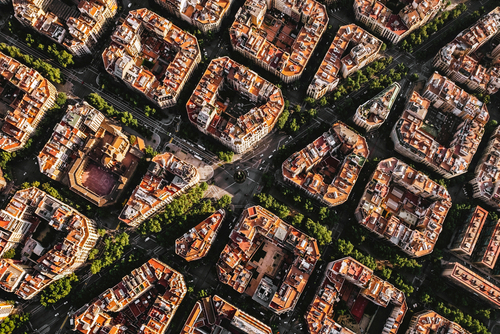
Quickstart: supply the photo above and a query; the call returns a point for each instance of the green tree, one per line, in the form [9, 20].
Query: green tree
[283, 119]
[297, 219]
[9, 254]
[224, 201]
[57, 290]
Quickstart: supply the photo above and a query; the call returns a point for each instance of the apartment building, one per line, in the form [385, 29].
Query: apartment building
[485, 184]
[12, 273]
[262, 251]
[473, 283]
[373, 113]
[404, 207]
[24, 213]
[79, 35]
[147, 300]
[233, 127]
[152, 57]
[213, 314]
[458, 60]
[196, 243]
[91, 154]
[26, 96]
[395, 27]
[206, 15]
[167, 178]
[443, 137]
[428, 321]
[279, 35]
[327, 169]
[347, 279]
[468, 233]
[487, 248]
[362, 47]
[6, 309]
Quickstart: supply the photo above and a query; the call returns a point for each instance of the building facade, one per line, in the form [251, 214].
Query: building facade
[284, 54]
[206, 15]
[334, 65]
[25, 109]
[167, 178]
[328, 168]
[456, 59]
[211, 115]
[373, 113]
[395, 27]
[145, 44]
[404, 207]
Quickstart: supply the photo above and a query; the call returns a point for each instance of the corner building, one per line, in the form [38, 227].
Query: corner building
[152, 57]
[363, 49]
[328, 168]
[280, 45]
[404, 207]
[26, 108]
[206, 15]
[211, 114]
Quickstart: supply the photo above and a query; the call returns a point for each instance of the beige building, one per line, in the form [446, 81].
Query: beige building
[456, 59]
[363, 49]
[6, 309]
[35, 95]
[206, 15]
[79, 35]
[280, 46]
[212, 115]
[152, 56]
[395, 27]
[373, 113]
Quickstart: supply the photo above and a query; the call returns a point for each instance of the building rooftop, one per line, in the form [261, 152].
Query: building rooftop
[428, 321]
[469, 280]
[281, 44]
[328, 168]
[340, 276]
[151, 316]
[468, 234]
[335, 64]
[487, 250]
[25, 210]
[404, 206]
[209, 113]
[445, 139]
[26, 95]
[86, 146]
[487, 173]
[458, 55]
[152, 56]
[11, 274]
[167, 178]
[203, 12]
[213, 313]
[376, 110]
[196, 243]
[272, 247]
[76, 33]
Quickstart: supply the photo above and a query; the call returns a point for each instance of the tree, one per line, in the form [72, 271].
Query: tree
[57, 290]
[383, 47]
[323, 213]
[345, 247]
[9, 254]
[323, 101]
[283, 119]
[61, 99]
[414, 77]
[293, 126]
[309, 100]
[224, 201]
[297, 219]
[318, 231]
[132, 139]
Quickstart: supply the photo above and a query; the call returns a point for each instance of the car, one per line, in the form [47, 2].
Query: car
[65, 302]
[237, 167]
[147, 239]
[56, 315]
[262, 155]
[270, 156]
[129, 5]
